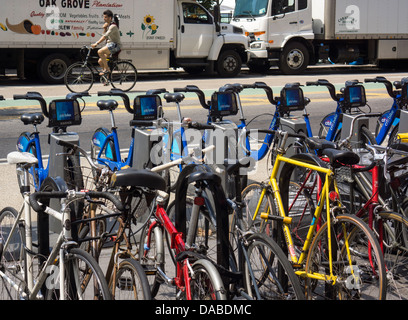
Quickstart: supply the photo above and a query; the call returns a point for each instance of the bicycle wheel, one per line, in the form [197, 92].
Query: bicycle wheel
[78, 77]
[12, 262]
[130, 282]
[206, 282]
[357, 262]
[151, 256]
[84, 279]
[123, 75]
[251, 196]
[274, 276]
[392, 231]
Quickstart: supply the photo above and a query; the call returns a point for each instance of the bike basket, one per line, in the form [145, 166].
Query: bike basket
[223, 104]
[354, 96]
[63, 113]
[146, 107]
[292, 99]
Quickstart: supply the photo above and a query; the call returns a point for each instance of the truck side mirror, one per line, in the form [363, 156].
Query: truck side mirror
[217, 16]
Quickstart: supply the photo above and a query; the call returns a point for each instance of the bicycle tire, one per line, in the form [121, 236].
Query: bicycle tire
[152, 256]
[78, 77]
[89, 276]
[12, 262]
[394, 230]
[130, 282]
[123, 75]
[274, 275]
[206, 284]
[360, 275]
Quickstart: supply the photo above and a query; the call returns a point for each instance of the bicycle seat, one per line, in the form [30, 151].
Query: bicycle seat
[174, 97]
[138, 178]
[17, 157]
[320, 144]
[115, 56]
[339, 158]
[107, 104]
[32, 118]
[233, 165]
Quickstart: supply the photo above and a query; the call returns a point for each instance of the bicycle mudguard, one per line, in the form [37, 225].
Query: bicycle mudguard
[22, 142]
[99, 140]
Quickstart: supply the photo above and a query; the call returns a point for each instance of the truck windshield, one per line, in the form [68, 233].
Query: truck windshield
[254, 8]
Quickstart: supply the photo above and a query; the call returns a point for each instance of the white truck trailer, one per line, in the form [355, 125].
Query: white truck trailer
[296, 33]
[45, 36]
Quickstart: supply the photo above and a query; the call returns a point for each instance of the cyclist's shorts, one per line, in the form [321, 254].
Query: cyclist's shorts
[113, 47]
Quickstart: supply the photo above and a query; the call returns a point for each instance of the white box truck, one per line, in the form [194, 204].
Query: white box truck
[296, 33]
[46, 35]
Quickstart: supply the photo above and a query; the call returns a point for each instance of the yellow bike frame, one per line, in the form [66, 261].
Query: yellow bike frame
[288, 237]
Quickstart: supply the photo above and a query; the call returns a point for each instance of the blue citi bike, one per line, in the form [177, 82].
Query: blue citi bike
[61, 114]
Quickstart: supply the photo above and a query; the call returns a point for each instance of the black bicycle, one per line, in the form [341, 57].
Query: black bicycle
[81, 75]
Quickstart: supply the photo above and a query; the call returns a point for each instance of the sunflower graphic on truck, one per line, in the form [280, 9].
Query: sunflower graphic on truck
[148, 26]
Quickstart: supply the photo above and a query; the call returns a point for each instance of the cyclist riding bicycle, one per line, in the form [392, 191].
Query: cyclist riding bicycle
[112, 36]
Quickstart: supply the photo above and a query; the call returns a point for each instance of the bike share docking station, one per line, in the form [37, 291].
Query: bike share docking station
[224, 136]
[62, 113]
[148, 137]
[292, 99]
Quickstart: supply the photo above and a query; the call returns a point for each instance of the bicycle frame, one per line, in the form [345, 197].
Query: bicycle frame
[117, 162]
[182, 278]
[391, 119]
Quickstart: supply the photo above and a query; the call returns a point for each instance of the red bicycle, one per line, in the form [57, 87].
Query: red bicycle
[196, 277]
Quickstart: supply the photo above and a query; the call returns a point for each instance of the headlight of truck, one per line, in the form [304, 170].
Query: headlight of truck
[256, 45]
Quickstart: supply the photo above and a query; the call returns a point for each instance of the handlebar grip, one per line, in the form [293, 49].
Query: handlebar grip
[67, 144]
[370, 80]
[19, 97]
[2, 98]
[34, 197]
[108, 196]
[200, 126]
[141, 123]
[312, 83]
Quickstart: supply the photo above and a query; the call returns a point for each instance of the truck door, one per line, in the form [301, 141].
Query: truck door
[195, 31]
[289, 17]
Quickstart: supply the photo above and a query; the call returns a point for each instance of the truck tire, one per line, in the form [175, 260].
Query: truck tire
[53, 67]
[228, 64]
[294, 58]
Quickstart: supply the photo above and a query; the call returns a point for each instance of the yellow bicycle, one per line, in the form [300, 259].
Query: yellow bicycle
[339, 257]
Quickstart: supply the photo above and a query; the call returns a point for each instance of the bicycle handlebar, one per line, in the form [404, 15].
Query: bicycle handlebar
[76, 148]
[237, 87]
[385, 82]
[32, 95]
[330, 86]
[197, 91]
[181, 160]
[118, 93]
[42, 195]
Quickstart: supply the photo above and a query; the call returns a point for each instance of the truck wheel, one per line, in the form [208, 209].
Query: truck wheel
[53, 67]
[294, 58]
[229, 64]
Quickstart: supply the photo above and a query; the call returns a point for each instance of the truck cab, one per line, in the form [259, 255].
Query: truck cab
[205, 43]
[280, 32]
